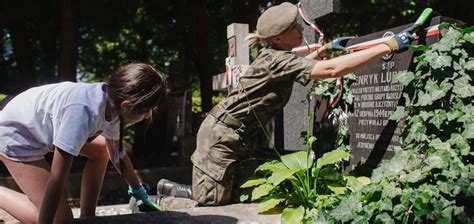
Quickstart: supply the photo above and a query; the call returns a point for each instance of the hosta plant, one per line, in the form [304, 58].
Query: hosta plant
[300, 183]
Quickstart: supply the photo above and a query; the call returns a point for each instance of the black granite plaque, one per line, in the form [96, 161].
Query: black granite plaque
[372, 135]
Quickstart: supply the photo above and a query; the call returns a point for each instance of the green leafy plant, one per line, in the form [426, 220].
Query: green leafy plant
[300, 183]
[431, 178]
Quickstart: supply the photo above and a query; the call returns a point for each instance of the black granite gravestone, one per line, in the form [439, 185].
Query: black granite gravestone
[293, 120]
[372, 135]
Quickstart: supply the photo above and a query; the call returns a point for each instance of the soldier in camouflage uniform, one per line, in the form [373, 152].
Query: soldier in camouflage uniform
[227, 132]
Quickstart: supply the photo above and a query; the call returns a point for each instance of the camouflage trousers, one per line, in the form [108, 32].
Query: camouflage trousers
[219, 147]
[207, 191]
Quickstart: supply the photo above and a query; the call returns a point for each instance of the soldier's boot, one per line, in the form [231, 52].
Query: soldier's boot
[170, 188]
[167, 203]
[173, 203]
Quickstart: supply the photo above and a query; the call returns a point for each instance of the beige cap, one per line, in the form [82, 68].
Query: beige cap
[276, 20]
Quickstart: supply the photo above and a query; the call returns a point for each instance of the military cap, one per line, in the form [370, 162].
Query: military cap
[276, 20]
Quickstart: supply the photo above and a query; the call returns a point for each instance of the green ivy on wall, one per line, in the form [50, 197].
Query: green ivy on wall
[431, 178]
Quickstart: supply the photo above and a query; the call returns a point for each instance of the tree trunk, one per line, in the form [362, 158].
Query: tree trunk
[2, 42]
[48, 37]
[69, 41]
[252, 13]
[203, 60]
[22, 51]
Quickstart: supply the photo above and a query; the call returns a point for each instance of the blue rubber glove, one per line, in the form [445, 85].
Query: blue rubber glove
[338, 44]
[400, 41]
[139, 194]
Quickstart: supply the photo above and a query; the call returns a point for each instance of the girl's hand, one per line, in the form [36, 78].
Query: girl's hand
[139, 194]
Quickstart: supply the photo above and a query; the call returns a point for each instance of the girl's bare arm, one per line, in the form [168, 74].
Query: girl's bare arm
[60, 168]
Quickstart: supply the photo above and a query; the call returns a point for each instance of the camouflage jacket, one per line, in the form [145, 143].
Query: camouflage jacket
[268, 83]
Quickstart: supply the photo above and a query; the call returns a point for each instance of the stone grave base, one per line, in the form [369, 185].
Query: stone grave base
[235, 213]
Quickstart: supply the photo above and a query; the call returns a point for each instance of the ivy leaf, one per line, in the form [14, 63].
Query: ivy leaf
[349, 98]
[445, 86]
[390, 168]
[438, 118]
[446, 188]
[414, 176]
[469, 131]
[469, 65]
[439, 145]
[384, 218]
[466, 186]
[254, 182]
[391, 190]
[458, 139]
[469, 37]
[332, 157]
[462, 87]
[441, 47]
[451, 38]
[439, 61]
[453, 114]
[443, 61]
[456, 67]
[399, 209]
[344, 211]
[292, 215]
[460, 52]
[269, 204]
[434, 91]
[261, 191]
[398, 114]
[434, 162]
[403, 77]
[425, 115]
[467, 109]
[407, 99]
[417, 129]
[424, 99]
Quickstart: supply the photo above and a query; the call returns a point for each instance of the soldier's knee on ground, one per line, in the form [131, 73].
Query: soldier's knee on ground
[174, 203]
[210, 192]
